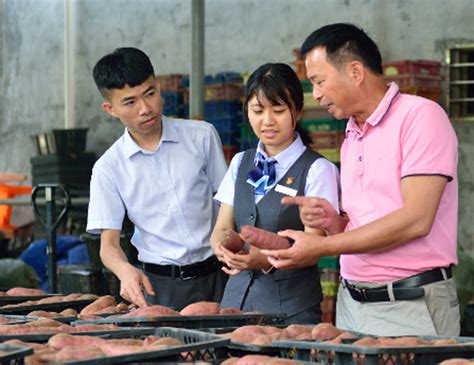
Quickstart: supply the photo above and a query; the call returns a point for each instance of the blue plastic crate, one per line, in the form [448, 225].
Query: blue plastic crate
[220, 77]
[216, 108]
[247, 143]
[230, 138]
[226, 124]
[173, 103]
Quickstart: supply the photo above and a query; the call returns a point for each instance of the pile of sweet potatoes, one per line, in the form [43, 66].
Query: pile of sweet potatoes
[63, 348]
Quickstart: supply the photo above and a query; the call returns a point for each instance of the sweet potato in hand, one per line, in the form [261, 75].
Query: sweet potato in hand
[232, 241]
[263, 239]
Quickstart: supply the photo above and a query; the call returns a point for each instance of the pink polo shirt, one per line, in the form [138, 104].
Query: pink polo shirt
[406, 135]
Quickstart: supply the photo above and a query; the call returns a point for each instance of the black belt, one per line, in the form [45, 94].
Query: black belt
[403, 289]
[185, 272]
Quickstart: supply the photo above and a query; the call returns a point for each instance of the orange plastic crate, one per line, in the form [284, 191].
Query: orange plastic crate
[9, 192]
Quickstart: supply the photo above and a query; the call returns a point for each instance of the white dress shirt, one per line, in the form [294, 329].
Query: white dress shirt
[322, 180]
[167, 194]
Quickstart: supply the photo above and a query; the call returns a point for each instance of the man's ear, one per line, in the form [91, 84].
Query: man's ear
[109, 108]
[356, 71]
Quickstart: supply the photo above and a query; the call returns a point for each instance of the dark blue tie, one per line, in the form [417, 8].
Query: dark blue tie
[263, 176]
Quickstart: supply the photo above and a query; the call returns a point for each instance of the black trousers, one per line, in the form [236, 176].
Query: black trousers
[177, 293]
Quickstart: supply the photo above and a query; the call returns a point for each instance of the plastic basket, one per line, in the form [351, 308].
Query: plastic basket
[346, 354]
[224, 91]
[429, 93]
[332, 154]
[44, 337]
[323, 124]
[421, 67]
[193, 322]
[329, 139]
[413, 80]
[220, 108]
[171, 82]
[227, 123]
[53, 307]
[70, 141]
[13, 355]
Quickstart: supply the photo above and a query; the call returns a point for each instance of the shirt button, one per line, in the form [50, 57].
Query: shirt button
[251, 216]
[359, 139]
[360, 158]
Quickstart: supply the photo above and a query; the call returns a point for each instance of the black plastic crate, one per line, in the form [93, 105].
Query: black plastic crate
[53, 307]
[123, 332]
[199, 346]
[346, 354]
[80, 279]
[193, 322]
[13, 355]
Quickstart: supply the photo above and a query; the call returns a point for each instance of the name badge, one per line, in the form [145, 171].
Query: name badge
[285, 190]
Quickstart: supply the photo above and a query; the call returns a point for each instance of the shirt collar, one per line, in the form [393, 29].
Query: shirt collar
[169, 134]
[288, 156]
[379, 112]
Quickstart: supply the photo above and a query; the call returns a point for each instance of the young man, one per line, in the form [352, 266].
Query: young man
[162, 173]
[397, 240]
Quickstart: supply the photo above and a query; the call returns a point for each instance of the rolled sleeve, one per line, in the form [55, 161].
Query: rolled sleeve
[225, 194]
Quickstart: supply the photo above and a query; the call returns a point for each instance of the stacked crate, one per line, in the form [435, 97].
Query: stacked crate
[223, 107]
[417, 77]
[172, 95]
[326, 131]
[329, 274]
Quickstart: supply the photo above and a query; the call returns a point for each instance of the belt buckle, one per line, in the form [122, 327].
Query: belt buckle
[362, 292]
[183, 276]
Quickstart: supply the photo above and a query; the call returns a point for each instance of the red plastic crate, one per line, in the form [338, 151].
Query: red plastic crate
[432, 94]
[229, 152]
[413, 80]
[224, 91]
[329, 139]
[300, 69]
[418, 67]
[170, 82]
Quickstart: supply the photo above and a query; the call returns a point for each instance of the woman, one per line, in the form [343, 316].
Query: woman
[250, 194]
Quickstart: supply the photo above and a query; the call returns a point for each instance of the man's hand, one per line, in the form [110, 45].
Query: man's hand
[316, 213]
[132, 283]
[305, 251]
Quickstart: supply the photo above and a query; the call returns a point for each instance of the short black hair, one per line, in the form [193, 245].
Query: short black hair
[278, 83]
[345, 42]
[125, 66]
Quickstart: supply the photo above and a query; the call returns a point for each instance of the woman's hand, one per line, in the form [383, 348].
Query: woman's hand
[245, 260]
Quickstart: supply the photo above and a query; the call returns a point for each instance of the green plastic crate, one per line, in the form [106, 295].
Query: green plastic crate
[329, 262]
[306, 85]
[324, 124]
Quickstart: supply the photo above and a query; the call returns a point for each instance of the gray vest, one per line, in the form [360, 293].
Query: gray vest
[283, 291]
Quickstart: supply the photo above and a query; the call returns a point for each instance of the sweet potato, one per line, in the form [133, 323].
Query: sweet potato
[295, 330]
[263, 239]
[97, 305]
[325, 331]
[232, 241]
[18, 291]
[230, 311]
[150, 311]
[456, 361]
[200, 308]
[63, 340]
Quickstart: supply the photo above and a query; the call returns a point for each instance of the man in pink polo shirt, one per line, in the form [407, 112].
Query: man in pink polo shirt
[397, 238]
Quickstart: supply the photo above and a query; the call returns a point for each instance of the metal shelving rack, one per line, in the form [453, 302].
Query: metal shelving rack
[460, 82]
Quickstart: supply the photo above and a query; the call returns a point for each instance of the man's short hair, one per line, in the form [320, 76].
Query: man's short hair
[125, 66]
[343, 43]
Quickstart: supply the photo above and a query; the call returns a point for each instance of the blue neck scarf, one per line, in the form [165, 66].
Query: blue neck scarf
[263, 176]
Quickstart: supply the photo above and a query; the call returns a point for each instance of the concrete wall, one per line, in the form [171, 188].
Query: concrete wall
[240, 35]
